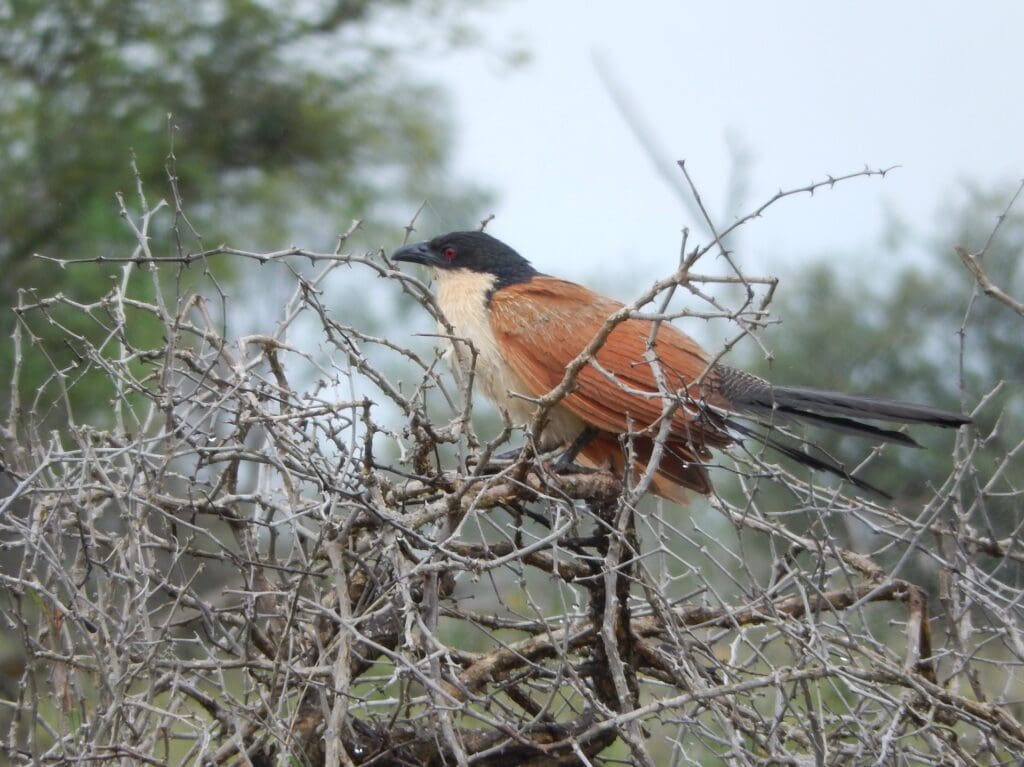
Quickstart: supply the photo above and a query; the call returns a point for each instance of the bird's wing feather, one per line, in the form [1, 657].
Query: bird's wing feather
[542, 325]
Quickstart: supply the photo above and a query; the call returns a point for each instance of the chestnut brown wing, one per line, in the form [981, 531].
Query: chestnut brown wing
[542, 325]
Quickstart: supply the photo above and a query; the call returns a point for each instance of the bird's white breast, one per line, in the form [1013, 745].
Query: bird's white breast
[462, 296]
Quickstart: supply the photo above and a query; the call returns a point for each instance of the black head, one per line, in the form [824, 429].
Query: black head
[475, 251]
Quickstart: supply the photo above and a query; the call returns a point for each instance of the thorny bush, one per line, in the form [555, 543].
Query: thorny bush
[291, 547]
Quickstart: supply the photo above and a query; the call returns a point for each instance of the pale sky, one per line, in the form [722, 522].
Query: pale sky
[808, 88]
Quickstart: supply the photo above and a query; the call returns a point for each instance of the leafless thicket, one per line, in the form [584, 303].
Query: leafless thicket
[293, 548]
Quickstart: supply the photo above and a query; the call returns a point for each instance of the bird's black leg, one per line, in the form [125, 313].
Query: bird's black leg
[581, 542]
[508, 455]
[566, 459]
[498, 461]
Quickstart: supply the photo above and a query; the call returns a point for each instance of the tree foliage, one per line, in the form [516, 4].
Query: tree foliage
[280, 115]
[916, 332]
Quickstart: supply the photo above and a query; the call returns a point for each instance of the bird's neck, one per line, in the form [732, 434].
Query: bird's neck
[463, 296]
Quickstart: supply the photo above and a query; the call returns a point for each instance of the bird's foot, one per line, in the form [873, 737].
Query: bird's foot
[498, 461]
[512, 454]
[567, 458]
[563, 462]
[584, 541]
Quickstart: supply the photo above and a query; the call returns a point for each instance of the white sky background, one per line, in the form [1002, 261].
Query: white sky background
[808, 88]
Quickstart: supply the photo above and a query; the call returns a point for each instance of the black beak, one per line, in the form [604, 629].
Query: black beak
[417, 253]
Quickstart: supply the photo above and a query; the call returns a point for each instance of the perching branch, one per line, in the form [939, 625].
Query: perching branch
[297, 546]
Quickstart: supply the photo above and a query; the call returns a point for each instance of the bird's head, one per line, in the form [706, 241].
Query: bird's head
[469, 251]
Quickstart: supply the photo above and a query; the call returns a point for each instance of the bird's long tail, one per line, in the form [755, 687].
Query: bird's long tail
[754, 397]
[751, 397]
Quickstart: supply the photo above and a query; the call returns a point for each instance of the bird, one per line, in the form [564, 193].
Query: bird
[526, 327]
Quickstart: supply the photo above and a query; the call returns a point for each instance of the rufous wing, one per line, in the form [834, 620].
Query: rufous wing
[542, 325]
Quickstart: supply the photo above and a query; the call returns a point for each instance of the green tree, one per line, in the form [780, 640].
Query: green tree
[281, 116]
[898, 335]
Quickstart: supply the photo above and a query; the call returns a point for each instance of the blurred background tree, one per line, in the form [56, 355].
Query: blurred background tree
[284, 117]
[897, 333]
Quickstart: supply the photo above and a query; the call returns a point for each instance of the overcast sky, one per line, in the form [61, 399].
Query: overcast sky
[808, 88]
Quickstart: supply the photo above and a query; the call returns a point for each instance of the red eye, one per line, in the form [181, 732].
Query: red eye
[448, 253]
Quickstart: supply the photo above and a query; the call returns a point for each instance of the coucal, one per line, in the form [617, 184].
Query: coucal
[527, 327]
